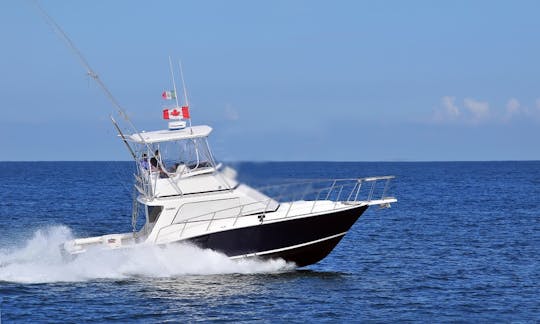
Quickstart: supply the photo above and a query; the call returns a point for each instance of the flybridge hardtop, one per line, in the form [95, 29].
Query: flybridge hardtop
[184, 196]
[170, 135]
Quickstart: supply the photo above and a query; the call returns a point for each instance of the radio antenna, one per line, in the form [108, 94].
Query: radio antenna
[173, 81]
[183, 82]
[185, 91]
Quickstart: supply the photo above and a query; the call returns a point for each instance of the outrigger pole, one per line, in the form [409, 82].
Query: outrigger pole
[121, 111]
[60, 32]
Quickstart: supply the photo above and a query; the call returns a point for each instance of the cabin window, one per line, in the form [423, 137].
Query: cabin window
[189, 154]
[153, 213]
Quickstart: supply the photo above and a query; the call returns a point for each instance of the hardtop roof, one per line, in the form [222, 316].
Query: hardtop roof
[166, 135]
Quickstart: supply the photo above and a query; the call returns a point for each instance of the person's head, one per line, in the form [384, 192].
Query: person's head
[144, 155]
[156, 153]
[153, 162]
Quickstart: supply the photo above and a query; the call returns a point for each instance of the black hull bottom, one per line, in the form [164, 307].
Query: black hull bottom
[306, 255]
[303, 241]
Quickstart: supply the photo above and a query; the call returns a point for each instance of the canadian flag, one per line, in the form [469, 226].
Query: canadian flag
[185, 112]
[176, 113]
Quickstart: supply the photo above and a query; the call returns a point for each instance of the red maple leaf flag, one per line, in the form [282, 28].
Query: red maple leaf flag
[175, 113]
[185, 112]
[172, 114]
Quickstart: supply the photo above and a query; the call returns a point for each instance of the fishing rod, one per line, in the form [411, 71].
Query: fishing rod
[123, 137]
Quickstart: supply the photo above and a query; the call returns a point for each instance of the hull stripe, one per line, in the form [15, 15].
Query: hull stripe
[287, 248]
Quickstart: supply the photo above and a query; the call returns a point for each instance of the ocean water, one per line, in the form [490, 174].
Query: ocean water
[462, 244]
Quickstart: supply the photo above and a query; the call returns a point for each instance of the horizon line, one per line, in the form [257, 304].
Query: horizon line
[288, 161]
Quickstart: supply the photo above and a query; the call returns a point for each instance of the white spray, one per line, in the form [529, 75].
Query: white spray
[39, 261]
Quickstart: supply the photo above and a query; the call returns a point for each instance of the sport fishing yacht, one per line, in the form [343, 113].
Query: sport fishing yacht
[186, 197]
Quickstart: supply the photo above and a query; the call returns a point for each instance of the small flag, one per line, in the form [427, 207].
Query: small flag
[172, 114]
[185, 112]
[168, 95]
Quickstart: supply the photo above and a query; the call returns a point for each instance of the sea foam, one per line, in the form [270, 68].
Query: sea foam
[38, 260]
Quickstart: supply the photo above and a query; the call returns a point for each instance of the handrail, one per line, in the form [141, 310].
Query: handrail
[338, 186]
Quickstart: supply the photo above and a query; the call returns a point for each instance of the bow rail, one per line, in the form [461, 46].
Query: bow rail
[294, 199]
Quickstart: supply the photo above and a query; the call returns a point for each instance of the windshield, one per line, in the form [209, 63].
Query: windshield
[181, 156]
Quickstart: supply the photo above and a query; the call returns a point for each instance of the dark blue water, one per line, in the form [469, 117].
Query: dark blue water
[462, 244]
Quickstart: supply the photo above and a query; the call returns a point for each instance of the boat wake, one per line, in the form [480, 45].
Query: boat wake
[39, 261]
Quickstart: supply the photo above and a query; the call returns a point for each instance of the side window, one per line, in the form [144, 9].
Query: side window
[153, 213]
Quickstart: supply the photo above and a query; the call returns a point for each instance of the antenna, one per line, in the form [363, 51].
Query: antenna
[173, 81]
[183, 83]
[185, 91]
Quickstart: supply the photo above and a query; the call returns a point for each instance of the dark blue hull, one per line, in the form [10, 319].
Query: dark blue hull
[303, 241]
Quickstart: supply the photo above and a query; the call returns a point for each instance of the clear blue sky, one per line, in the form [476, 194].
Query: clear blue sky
[279, 80]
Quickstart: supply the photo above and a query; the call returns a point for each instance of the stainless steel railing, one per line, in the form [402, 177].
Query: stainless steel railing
[371, 190]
